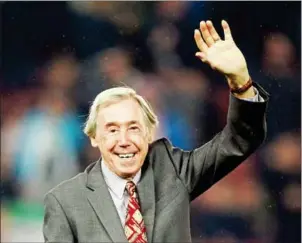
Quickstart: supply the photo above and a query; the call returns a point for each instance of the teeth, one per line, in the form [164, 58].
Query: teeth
[125, 156]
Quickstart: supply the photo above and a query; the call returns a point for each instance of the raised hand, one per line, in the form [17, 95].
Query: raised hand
[221, 55]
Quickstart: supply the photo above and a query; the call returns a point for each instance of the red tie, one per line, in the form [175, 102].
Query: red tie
[135, 228]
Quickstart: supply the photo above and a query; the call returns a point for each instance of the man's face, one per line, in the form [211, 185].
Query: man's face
[122, 137]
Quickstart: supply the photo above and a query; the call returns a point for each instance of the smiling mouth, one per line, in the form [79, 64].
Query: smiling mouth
[126, 156]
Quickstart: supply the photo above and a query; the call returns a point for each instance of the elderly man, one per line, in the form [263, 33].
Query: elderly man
[140, 190]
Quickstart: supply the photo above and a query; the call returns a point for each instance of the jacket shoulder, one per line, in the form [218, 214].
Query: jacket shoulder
[160, 154]
[160, 144]
[164, 147]
[70, 186]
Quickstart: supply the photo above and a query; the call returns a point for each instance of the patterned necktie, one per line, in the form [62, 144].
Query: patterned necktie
[135, 228]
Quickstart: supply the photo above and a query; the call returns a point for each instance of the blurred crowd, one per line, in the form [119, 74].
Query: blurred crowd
[57, 56]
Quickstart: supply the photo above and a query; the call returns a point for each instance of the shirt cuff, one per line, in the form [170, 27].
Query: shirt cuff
[256, 98]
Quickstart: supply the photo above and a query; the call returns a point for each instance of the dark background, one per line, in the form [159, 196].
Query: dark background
[56, 56]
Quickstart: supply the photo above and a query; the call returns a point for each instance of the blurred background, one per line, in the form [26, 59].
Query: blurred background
[57, 56]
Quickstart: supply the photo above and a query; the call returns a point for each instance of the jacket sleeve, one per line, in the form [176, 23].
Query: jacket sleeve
[244, 132]
[55, 227]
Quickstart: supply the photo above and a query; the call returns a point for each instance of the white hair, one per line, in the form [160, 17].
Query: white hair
[115, 95]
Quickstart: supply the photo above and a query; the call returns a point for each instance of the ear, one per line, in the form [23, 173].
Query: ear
[93, 143]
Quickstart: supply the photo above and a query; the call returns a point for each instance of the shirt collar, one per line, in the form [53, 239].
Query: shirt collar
[116, 183]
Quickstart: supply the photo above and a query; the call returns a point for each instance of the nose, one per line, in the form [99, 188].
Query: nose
[123, 139]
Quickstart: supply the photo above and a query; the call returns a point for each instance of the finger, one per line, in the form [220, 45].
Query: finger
[206, 34]
[202, 46]
[213, 31]
[201, 56]
[226, 30]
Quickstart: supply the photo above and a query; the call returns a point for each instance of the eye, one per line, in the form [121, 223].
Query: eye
[113, 130]
[134, 128]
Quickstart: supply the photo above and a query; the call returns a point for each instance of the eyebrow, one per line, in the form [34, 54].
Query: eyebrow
[109, 124]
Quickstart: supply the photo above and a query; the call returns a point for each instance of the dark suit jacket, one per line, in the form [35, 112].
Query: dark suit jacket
[81, 209]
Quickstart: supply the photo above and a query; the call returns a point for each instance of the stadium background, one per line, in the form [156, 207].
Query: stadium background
[58, 55]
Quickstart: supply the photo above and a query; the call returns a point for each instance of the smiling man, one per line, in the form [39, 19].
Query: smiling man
[121, 125]
[140, 190]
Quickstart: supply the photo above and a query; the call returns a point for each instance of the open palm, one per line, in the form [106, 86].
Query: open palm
[221, 55]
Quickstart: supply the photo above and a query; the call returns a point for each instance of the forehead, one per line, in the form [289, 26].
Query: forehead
[121, 112]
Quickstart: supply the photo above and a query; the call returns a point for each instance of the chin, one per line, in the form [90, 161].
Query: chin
[129, 172]
[133, 170]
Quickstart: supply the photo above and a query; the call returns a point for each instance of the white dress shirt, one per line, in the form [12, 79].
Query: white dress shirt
[256, 98]
[117, 188]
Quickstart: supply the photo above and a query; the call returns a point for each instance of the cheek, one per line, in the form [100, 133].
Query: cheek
[107, 143]
[141, 143]
[139, 140]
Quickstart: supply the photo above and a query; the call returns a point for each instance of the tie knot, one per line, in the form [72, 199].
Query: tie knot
[130, 187]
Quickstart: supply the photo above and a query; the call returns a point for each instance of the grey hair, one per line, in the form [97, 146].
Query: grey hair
[114, 95]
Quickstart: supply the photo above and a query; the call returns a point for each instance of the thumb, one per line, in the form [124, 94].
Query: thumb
[201, 56]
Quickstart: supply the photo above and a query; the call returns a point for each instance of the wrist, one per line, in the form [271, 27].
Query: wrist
[243, 88]
[249, 93]
[244, 91]
[238, 81]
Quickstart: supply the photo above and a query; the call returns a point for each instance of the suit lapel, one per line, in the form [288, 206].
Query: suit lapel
[147, 198]
[101, 201]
